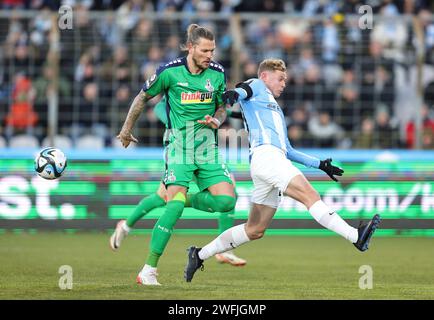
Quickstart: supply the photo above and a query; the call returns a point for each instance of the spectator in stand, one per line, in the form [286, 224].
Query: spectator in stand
[119, 68]
[128, 15]
[364, 138]
[427, 140]
[155, 58]
[256, 32]
[390, 32]
[427, 130]
[93, 115]
[21, 117]
[329, 41]
[347, 106]
[84, 32]
[141, 40]
[425, 17]
[85, 70]
[325, 132]
[172, 49]
[41, 27]
[44, 86]
[249, 70]
[299, 137]
[271, 48]
[386, 134]
[18, 56]
[299, 117]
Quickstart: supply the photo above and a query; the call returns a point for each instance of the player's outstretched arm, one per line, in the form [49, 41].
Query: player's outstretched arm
[331, 170]
[125, 136]
[215, 121]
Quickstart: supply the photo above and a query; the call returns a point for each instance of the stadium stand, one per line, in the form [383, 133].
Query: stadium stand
[59, 141]
[365, 80]
[90, 142]
[23, 141]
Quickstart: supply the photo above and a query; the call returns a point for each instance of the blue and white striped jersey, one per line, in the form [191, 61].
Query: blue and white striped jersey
[265, 122]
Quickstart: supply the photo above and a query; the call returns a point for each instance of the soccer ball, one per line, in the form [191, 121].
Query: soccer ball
[50, 163]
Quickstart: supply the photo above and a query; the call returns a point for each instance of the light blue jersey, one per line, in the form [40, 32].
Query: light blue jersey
[265, 122]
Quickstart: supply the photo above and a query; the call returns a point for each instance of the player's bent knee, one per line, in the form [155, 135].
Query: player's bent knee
[225, 203]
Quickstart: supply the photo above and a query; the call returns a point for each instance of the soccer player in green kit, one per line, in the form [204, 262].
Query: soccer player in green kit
[193, 86]
[157, 200]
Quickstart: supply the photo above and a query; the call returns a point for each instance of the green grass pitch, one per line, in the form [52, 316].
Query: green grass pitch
[279, 267]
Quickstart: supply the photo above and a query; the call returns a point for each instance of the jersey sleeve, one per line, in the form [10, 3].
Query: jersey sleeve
[160, 110]
[249, 89]
[157, 83]
[300, 157]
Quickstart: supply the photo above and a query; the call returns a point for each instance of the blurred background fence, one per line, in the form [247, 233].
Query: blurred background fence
[351, 84]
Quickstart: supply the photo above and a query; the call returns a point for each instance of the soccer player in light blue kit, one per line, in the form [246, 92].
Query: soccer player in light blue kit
[273, 172]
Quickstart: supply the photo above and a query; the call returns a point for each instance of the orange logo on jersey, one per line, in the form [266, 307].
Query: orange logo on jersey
[196, 97]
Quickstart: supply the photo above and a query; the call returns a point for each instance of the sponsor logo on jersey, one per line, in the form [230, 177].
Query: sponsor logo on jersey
[183, 84]
[196, 97]
[273, 106]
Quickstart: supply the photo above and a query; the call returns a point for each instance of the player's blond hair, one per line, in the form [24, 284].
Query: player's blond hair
[271, 65]
[194, 33]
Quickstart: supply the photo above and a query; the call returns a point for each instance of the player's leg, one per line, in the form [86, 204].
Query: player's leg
[265, 201]
[226, 221]
[301, 190]
[260, 217]
[162, 232]
[146, 205]
[217, 190]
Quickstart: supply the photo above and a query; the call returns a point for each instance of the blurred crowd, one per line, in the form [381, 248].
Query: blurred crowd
[349, 87]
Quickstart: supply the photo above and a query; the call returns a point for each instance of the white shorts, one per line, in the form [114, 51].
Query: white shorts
[271, 173]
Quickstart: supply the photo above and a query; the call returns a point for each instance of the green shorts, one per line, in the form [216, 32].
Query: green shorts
[182, 167]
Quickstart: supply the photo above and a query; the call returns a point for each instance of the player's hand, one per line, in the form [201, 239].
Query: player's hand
[126, 138]
[230, 97]
[211, 122]
[331, 170]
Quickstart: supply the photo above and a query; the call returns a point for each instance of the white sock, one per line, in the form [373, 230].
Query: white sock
[147, 268]
[332, 221]
[227, 240]
[125, 227]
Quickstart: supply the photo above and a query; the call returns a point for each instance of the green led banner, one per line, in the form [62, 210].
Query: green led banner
[93, 194]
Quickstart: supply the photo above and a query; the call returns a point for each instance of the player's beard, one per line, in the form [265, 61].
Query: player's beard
[197, 64]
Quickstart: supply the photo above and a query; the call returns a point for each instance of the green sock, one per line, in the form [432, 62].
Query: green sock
[205, 201]
[145, 205]
[152, 259]
[163, 229]
[226, 219]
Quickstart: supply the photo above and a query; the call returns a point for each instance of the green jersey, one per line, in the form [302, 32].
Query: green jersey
[189, 97]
